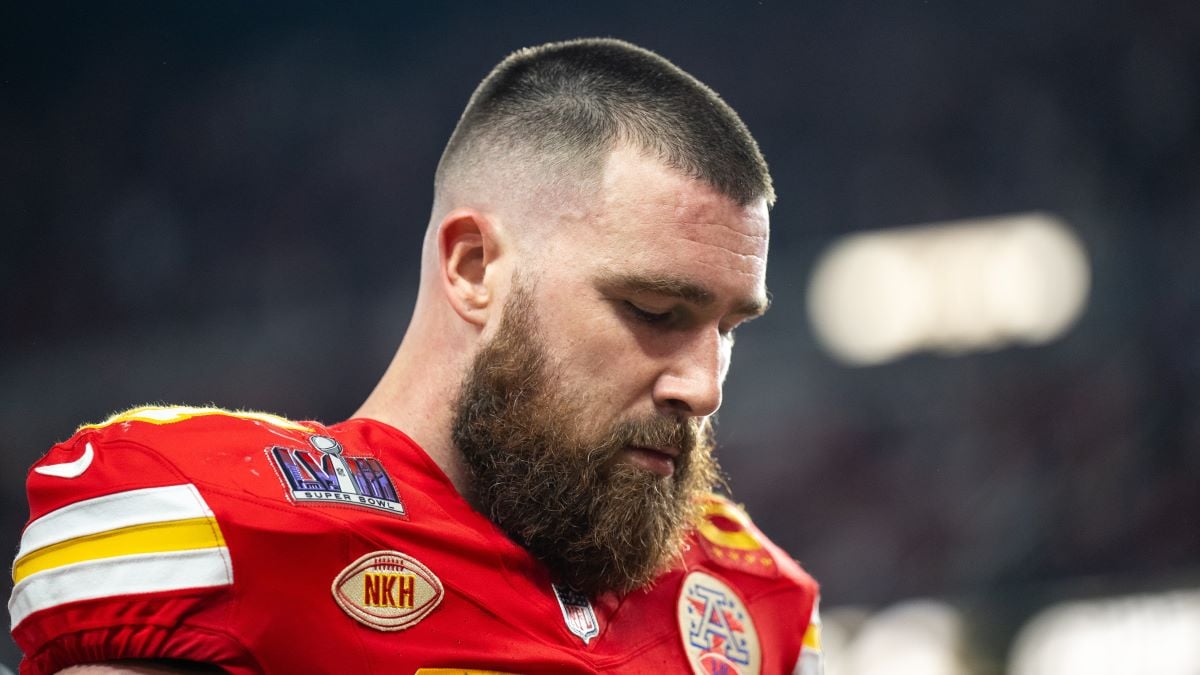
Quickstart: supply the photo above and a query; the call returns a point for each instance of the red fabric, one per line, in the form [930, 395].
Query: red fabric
[499, 611]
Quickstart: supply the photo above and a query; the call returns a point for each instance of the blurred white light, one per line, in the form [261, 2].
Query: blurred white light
[1157, 634]
[838, 628]
[953, 287]
[916, 637]
[869, 301]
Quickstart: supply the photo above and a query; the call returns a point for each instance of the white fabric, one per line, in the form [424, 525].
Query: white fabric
[809, 663]
[123, 575]
[111, 512]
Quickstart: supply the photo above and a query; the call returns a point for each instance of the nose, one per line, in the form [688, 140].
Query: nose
[690, 384]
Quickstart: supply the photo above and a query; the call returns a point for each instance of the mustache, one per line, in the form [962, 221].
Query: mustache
[685, 435]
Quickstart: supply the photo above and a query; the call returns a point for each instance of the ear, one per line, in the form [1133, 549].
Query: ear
[468, 244]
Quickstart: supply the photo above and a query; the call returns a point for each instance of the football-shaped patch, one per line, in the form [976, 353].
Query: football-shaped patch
[387, 590]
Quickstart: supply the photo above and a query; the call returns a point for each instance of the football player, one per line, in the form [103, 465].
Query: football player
[529, 487]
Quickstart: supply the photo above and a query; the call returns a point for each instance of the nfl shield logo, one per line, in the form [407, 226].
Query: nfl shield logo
[577, 613]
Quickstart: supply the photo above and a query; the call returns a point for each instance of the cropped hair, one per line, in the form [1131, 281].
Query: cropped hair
[563, 106]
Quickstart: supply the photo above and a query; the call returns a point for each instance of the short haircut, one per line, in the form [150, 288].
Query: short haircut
[563, 106]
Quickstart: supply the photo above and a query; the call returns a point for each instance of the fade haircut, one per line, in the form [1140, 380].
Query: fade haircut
[559, 109]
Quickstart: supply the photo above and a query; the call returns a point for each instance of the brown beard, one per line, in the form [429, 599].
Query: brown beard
[561, 490]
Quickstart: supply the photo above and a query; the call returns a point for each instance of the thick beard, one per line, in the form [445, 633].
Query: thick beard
[561, 490]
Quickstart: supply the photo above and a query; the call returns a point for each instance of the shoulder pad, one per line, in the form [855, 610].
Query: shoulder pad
[730, 539]
[174, 414]
[120, 525]
[187, 435]
[150, 447]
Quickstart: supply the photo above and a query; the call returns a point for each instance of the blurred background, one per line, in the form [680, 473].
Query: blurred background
[983, 438]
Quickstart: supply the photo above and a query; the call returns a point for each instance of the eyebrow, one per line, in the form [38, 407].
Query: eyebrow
[676, 287]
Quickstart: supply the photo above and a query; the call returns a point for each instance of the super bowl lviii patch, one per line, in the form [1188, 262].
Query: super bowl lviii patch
[326, 473]
[387, 590]
[717, 630]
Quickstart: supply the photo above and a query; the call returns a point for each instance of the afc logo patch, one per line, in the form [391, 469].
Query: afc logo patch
[718, 633]
[327, 474]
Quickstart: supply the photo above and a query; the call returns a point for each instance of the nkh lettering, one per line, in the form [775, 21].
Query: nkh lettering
[389, 589]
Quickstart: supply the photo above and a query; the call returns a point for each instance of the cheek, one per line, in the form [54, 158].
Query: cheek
[604, 354]
[594, 352]
[605, 359]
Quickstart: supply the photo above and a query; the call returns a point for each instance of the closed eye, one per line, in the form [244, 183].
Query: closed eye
[645, 316]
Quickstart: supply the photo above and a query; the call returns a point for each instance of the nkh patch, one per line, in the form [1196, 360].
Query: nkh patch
[577, 613]
[717, 630]
[326, 473]
[387, 590]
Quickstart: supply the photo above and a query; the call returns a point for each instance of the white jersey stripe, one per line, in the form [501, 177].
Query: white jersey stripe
[125, 575]
[811, 660]
[111, 512]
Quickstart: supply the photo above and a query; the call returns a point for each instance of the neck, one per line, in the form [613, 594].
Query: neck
[416, 395]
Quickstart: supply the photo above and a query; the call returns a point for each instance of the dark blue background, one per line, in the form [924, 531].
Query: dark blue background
[219, 202]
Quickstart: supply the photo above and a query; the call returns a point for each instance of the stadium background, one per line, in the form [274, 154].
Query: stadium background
[221, 203]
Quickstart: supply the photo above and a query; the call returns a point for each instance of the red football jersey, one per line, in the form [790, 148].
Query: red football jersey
[265, 545]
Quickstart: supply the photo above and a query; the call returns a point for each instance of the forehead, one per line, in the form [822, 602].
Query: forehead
[650, 219]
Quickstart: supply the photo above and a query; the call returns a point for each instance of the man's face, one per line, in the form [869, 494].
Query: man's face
[585, 419]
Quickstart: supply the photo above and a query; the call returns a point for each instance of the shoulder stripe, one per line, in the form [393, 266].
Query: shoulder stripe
[137, 541]
[111, 512]
[148, 573]
[172, 414]
[177, 535]
[812, 635]
[811, 661]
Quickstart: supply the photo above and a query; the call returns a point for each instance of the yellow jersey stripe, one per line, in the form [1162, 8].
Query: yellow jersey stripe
[171, 414]
[142, 506]
[175, 535]
[206, 568]
[812, 637]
